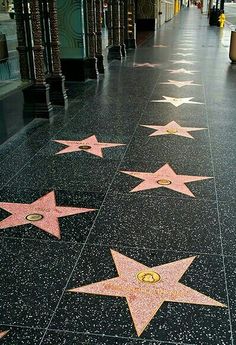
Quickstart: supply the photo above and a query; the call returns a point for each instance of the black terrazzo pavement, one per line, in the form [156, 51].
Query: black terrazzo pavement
[153, 227]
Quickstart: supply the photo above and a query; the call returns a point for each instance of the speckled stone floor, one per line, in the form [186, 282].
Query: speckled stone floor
[117, 217]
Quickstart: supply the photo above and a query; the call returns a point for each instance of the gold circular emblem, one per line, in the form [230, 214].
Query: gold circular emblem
[149, 277]
[172, 131]
[164, 182]
[84, 147]
[34, 217]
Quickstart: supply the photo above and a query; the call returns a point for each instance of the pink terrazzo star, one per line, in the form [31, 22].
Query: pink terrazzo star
[180, 83]
[181, 71]
[183, 62]
[146, 64]
[165, 177]
[2, 334]
[176, 101]
[90, 145]
[172, 128]
[42, 213]
[147, 288]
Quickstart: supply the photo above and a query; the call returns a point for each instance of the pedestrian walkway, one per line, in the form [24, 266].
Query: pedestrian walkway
[118, 216]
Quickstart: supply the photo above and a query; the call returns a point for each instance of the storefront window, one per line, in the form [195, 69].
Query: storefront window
[9, 60]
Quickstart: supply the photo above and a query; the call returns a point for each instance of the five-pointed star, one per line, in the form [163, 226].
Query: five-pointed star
[185, 48]
[147, 288]
[2, 334]
[181, 71]
[180, 83]
[186, 44]
[159, 46]
[43, 213]
[186, 62]
[172, 128]
[184, 54]
[176, 101]
[164, 177]
[90, 145]
[146, 64]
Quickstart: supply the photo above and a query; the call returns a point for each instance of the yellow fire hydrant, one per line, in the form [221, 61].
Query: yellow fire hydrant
[221, 19]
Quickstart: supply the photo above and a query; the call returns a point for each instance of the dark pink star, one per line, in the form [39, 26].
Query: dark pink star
[90, 145]
[147, 288]
[146, 64]
[172, 128]
[43, 213]
[165, 177]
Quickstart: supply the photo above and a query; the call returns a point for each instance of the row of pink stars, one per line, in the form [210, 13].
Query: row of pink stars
[145, 288]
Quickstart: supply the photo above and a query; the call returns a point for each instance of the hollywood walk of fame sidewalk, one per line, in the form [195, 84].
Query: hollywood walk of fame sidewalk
[117, 221]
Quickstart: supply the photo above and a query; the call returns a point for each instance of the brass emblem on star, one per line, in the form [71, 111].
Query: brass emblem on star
[164, 182]
[149, 277]
[172, 131]
[34, 217]
[84, 147]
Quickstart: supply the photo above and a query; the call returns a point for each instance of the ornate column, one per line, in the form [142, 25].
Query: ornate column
[37, 96]
[99, 54]
[22, 49]
[56, 80]
[130, 30]
[122, 27]
[115, 50]
[109, 23]
[91, 63]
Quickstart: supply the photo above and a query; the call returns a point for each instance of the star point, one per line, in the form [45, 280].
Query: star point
[42, 213]
[172, 128]
[90, 145]
[147, 288]
[2, 334]
[176, 101]
[180, 83]
[165, 177]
